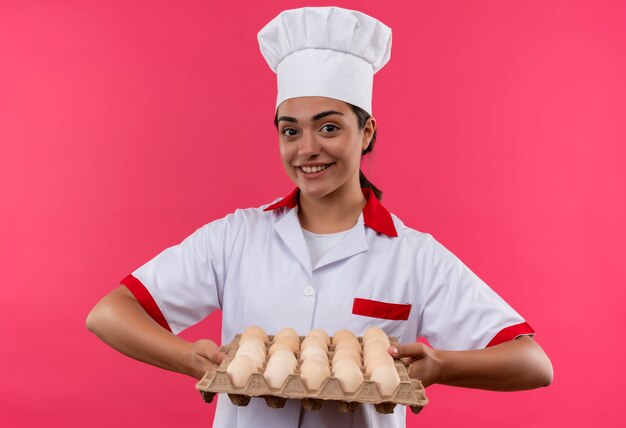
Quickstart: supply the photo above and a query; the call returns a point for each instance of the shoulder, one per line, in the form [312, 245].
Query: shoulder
[408, 235]
[251, 216]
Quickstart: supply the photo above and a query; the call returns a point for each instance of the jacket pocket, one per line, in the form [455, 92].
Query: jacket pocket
[383, 310]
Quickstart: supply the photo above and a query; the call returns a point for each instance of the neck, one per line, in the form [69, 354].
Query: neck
[332, 213]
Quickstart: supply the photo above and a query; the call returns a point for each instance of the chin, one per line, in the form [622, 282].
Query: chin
[315, 192]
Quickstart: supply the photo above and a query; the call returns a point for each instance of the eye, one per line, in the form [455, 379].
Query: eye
[289, 132]
[328, 128]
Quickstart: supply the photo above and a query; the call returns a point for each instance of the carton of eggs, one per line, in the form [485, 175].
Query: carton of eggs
[314, 368]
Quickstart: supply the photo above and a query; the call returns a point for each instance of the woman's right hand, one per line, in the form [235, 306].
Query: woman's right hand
[204, 355]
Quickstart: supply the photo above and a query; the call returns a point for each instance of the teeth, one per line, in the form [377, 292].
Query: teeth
[312, 169]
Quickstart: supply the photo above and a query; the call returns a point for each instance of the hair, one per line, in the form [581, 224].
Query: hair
[362, 118]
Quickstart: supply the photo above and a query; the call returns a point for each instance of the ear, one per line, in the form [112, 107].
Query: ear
[368, 132]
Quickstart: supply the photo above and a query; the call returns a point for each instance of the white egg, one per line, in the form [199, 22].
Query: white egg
[313, 341]
[348, 344]
[285, 357]
[347, 353]
[375, 354]
[292, 342]
[258, 360]
[314, 374]
[374, 332]
[253, 348]
[312, 361]
[349, 375]
[344, 362]
[386, 379]
[343, 334]
[377, 343]
[377, 361]
[276, 374]
[253, 343]
[277, 346]
[256, 330]
[286, 332]
[314, 352]
[318, 332]
[240, 369]
[251, 337]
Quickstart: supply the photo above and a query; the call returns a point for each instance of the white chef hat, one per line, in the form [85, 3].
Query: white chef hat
[326, 51]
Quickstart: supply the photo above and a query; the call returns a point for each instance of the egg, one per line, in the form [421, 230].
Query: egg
[376, 343]
[293, 342]
[253, 343]
[378, 361]
[240, 369]
[258, 361]
[286, 332]
[285, 357]
[312, 361]
[256, 330]
[343, 334]
[276, 374]
[349, 375]
[350, 344]
[337, 364]
[251, 337]
[347, 353]
[318, 332]
[314, 352]
[313, 374]
[386, 379]
[375, 354]
[373, 332]
[313, 341]
[277, 346]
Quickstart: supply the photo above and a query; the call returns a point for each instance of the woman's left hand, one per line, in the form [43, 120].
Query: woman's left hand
[425, 365]
[513, 365]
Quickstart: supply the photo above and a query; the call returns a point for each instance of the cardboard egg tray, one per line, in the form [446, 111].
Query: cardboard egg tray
[410, 392]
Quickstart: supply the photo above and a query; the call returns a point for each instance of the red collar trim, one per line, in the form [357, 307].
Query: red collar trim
[375, 215]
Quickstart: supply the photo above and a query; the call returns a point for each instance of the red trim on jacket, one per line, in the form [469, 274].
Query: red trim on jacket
[378, 309]
[510, 333]
[145, 299]
[375, 216]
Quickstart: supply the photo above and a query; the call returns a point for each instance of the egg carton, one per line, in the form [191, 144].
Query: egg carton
[410, 392]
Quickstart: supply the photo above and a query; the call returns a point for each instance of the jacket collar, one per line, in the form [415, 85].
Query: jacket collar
[375, 216]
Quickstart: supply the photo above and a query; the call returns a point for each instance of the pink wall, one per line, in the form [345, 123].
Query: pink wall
[124, 126]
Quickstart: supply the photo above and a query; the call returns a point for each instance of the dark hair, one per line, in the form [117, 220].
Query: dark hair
[362, 117]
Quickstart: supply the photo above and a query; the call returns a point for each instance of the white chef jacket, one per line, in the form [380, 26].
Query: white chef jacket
[254, 265]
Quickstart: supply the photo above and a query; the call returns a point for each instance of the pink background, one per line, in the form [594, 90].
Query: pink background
[124, 126]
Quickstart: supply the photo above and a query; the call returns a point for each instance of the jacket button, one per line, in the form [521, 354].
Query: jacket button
[309, 291]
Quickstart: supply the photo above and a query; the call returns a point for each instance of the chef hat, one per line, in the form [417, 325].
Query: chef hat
[326, 51]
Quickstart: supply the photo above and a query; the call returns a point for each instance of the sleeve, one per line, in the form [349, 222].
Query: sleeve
[185, 283]
[460, 311]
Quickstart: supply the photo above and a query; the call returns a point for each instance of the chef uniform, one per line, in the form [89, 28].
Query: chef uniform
[256, 266]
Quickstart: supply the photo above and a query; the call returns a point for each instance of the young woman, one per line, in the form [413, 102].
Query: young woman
[328, 255]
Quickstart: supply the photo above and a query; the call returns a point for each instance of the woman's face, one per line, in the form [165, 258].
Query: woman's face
[321, 144]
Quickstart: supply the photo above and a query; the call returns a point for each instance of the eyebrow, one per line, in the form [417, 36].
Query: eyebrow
[318, 116]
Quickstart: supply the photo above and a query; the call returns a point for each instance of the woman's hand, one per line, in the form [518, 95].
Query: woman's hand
[425, 365]
[204, 355]
[510, 366]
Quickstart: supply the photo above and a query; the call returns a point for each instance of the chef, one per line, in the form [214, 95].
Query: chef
[328, 255]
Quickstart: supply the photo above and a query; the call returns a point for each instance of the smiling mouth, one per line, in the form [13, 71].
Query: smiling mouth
[313, 169]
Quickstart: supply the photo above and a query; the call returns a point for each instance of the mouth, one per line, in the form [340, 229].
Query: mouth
[313, 169]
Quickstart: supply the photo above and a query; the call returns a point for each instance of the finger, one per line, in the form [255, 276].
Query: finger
[218, 357]
[209, 350]
[413, 351]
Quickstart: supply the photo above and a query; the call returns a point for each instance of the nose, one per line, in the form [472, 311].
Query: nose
[309, 146]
